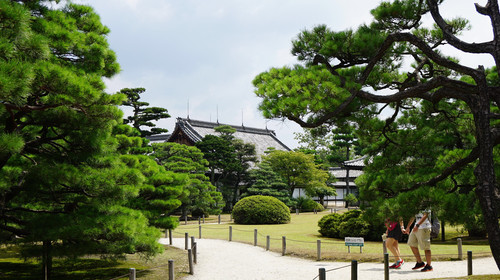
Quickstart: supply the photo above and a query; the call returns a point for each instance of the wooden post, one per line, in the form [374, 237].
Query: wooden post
[469, 262]
[386, 266]
[318, 245]
[218, 219]
[268, 242]
[186, 240]
[131, 274]
[283, 245]
[384, 246]
[297, 211]
[171, 274]
[170, 236]
[199, 232]
[199, 220]
[322, 274]
[354, 270]
[192, 242]
[195, 250]
[190, 261]
[459, 244]
[230, 233]
[203, 218]
[255, 237]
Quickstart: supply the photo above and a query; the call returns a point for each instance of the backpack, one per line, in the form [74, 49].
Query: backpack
[435, 227]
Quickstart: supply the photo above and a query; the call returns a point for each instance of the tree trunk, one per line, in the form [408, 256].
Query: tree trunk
[485, 173]
[46, 260]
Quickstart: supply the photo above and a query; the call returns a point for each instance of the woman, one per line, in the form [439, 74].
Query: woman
[394, 234]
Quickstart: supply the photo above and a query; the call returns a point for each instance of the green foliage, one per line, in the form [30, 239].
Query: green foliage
[261, 210]
[350, 224]
[307, 204]
[297, 170]
[264, 181]
[199, 195]
[143, 115]
[229, 160]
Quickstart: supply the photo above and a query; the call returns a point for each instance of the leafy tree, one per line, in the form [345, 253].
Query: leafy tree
[199, 194]
[298, 170]
[264, 181]
[143, 115]
[63, 188]
[345, 75]
[229, 162]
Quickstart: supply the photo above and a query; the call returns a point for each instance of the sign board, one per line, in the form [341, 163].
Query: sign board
[354, 241]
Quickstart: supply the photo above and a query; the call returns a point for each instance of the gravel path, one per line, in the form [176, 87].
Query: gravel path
[221, 260]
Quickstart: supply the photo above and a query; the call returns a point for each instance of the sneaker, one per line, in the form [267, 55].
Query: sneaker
[399, 263]
[418, 265]
[394, 265]
[427, 268]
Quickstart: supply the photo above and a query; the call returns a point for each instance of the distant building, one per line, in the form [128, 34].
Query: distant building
[345, 176]
[188, 132]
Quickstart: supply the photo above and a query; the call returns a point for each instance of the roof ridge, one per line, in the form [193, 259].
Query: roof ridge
[206, 124]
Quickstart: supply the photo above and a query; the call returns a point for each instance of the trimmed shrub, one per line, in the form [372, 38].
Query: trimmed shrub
[307, 204]
[350, 223]
[259, 209]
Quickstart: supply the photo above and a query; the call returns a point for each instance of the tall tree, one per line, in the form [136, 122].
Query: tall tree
[298, 170]
[63, 189]
[199, 194]
[142, 115]
[344, 75]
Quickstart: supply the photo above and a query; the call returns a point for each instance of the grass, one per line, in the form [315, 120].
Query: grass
[302, 235]
[91, 268]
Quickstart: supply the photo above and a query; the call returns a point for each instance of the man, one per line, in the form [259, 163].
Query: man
[420, 236]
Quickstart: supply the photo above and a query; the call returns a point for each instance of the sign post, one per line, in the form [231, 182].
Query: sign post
[354, 241]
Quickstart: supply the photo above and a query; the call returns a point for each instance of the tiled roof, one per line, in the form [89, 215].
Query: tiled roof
[196, 130]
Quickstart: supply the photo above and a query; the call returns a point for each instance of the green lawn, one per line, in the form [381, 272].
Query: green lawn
[302, 235]
[91, 268]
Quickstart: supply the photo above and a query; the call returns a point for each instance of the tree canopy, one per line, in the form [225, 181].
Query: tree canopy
[350, 76]
[65, 188]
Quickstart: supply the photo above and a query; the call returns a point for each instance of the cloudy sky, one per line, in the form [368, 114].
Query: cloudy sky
[205, 53]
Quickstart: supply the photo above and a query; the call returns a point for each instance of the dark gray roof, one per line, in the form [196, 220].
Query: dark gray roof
[158, 138]
[261, 138]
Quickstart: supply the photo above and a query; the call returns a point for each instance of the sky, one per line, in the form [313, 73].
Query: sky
[199, 57]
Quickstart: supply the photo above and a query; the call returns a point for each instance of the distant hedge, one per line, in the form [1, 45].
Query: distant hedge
[350, 224]
[307, 204]
[259, 209]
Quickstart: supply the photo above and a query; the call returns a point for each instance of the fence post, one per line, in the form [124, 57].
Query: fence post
[459, 244]
[166, 233]
[203, 218]
[170, 236]
[171, 274]
[199, 220]
[190, 261]
[186, 239]
[218, 219]
[297, 211]
[268, 242]
[386, 266]
[230, 233]
[192, 242]
[131, 274]
[354, 270]
[283, 245]
[255, 237]
[469, 262]
[318, 245]
[322, 274]
[199, 232]
[384, 246]
[195, 251]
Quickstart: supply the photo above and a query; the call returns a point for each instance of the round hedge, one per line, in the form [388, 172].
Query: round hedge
[259, 209]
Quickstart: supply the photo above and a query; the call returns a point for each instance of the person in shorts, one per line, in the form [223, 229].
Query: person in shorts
[394, 234]
[420, 236]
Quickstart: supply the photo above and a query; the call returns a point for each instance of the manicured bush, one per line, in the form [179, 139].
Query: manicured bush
[307, 204]
[259, 209]
[351, 224]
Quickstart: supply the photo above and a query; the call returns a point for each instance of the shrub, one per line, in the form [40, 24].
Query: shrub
[259, 209]
[350, 223]
[307, 204]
